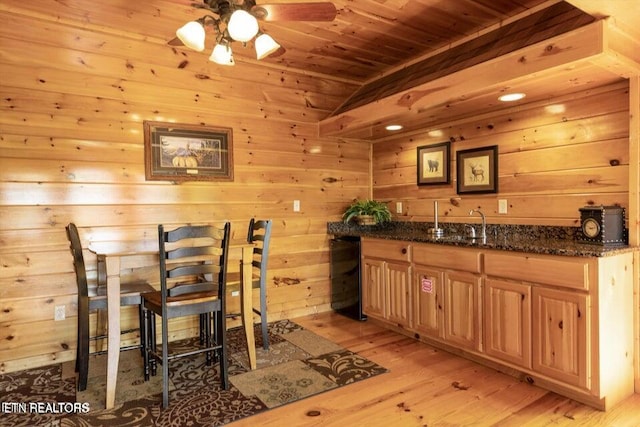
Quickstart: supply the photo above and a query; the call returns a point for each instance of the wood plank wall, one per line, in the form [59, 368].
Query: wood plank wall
[77, 83]
[554, 157]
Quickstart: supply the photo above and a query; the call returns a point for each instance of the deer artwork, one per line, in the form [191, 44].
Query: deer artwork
[477, 172]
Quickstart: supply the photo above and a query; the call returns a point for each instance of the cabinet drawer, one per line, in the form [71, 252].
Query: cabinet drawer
[391, 250]
[569, 272]
[442, 256]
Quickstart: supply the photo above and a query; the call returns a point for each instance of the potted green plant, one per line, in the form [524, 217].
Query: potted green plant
[367, 212]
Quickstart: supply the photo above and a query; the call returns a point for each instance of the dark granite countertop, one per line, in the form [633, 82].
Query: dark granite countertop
[548, 240]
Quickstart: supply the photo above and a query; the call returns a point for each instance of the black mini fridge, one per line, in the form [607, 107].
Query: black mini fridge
[346, 286]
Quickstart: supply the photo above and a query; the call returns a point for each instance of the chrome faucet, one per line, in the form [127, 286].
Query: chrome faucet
[483, 232]
[436, 232]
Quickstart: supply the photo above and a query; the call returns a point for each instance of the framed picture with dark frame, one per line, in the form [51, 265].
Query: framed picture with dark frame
[433, 164]
[477, 170]
[182, 152]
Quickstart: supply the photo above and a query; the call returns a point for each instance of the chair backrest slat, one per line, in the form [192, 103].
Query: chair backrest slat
[196, 253]
[193, 251]
[260, 234]
[193, 270]
[194, 232]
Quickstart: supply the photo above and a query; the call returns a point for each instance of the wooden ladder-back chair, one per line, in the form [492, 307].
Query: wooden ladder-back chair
[260, 234]
[94, 297]
[193, 266]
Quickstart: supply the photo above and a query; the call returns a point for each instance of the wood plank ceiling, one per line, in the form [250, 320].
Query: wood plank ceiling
[368, 37]
[368, 40]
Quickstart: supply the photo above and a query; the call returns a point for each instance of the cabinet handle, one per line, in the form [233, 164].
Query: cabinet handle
[404, 251]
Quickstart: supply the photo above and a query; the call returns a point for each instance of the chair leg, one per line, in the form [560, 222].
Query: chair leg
[263, 318]
[152, 344]
[221, 339]
[142, 324]
[203, 324]
[82, 350]
[144, 339]
[78, 334]
[204, 335]
[165, 362]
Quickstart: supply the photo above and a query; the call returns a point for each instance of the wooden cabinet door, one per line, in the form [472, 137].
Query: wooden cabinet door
[507, 316]
[428, 315]
[560, 333]
[398, 307]
[462, 310]
[373, 288]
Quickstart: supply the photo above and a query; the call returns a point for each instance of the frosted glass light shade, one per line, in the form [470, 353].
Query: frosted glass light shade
[265, 45]
[192, 35]
[242, 26]
[222, 55]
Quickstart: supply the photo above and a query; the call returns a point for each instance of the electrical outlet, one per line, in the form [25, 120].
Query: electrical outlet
[235, 293]
[59, 313]
[502, 206]
[398, 207]
[296, 205]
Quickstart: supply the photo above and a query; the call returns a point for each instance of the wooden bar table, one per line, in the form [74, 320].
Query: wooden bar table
[111, 254]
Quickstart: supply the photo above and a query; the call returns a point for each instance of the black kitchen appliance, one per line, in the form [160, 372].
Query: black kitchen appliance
[346, 286]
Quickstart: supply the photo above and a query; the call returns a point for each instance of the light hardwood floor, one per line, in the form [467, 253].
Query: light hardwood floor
[429, 387]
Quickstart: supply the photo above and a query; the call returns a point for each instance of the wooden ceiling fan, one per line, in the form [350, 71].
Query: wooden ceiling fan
[237, 20]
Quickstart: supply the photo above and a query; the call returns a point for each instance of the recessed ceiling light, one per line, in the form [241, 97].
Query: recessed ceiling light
[509, 97]
[393, 127]
[555, 109]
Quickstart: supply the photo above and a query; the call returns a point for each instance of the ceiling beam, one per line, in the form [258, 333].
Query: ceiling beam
[625, 13]
[582, 44]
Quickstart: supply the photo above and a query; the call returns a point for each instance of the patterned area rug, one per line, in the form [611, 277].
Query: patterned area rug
[298, 364]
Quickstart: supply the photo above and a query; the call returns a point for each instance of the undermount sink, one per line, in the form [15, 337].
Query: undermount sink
[458, 238]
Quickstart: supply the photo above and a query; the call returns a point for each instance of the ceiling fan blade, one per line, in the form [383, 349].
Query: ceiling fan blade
[322, 11]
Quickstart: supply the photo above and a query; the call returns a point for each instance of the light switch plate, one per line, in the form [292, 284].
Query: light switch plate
[296, 205]
[59, 313]
[502, 206]
[398, 207]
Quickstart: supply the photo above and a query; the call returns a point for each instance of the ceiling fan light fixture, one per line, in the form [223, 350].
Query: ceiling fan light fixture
[222, 54]
[265, 45]
[192, 35]
[242, 26]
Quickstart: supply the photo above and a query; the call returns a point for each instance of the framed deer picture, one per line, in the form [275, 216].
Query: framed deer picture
[433, 163]
[179, 152]
[477, 170]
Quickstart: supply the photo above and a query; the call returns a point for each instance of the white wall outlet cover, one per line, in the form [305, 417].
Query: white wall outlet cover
[502, 206]
[296, 205]
[398, 207]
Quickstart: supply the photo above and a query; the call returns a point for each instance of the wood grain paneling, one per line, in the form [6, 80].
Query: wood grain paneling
[78, 84]
[554, 157]
[75, 91]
